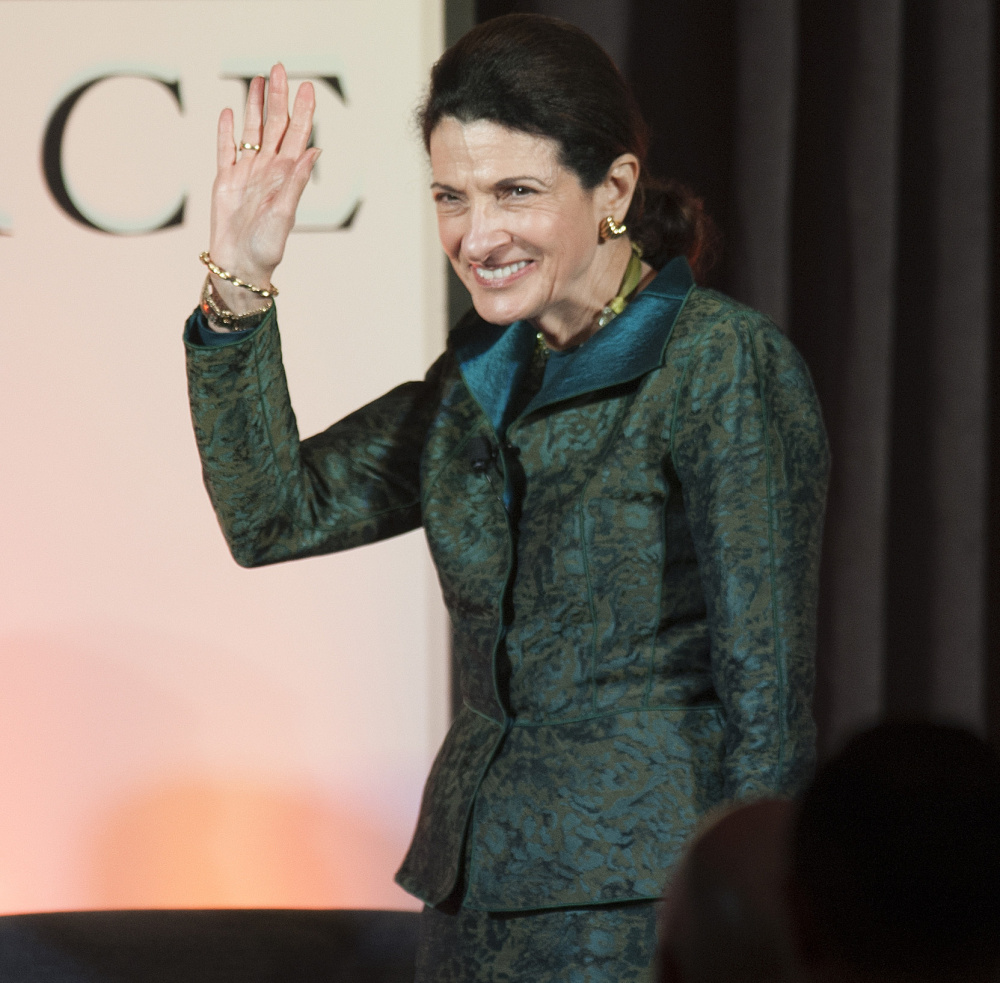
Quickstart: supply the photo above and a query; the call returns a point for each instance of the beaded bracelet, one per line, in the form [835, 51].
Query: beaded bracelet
[269, 291]
[227, 318]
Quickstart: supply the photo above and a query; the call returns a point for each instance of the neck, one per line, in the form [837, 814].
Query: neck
[574, 321]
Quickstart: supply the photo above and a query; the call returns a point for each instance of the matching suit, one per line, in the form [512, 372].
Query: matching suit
[628, 551]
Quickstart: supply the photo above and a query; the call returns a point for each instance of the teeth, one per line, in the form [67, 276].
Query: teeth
[503, 271]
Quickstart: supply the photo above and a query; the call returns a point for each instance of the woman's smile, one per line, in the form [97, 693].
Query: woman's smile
[501, 276]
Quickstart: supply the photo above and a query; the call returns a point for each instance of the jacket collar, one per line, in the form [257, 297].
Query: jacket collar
[494, 358]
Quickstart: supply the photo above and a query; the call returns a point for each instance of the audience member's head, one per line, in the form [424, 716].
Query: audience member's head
[724, 916]
[896, 858]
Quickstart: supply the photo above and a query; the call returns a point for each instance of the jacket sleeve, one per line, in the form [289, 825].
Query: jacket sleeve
[751, 453]
[277, 498]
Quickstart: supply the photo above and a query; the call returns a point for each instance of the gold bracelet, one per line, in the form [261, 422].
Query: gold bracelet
[227, 318]
[269, 291]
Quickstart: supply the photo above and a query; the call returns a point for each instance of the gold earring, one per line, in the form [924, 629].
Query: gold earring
[610, 229]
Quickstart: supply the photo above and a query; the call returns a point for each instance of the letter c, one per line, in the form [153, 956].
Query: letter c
[52, 154]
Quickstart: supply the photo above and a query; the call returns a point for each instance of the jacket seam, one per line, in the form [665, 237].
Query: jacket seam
[268, 426]
[669, 708]
[479, 713]
[684, 374]
[267, 418]
[663, 516]
[779, 659]
[628, 898]
[677, 395]
[673, 324]
[581, 509]
[590, 601]
[659, 605]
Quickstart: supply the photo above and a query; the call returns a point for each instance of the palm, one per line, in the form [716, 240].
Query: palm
[256, 192]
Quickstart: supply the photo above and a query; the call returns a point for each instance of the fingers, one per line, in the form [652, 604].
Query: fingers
[225, 151]
[277, 132]
[277, 110]
[254, 111]
[297, 135]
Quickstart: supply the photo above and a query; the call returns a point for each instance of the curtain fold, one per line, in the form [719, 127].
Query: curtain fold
[764, 153]
[841, 316]
[958, 145]
[847, 149]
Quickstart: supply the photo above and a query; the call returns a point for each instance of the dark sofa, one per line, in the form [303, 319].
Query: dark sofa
[210, 946]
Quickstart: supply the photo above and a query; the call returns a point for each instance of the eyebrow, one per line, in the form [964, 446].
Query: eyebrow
[507, 181]
[504, 182]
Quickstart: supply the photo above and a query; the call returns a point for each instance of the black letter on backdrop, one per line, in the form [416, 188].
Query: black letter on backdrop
[52, 154]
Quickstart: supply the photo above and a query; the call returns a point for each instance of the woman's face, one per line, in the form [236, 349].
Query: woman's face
[518, 227]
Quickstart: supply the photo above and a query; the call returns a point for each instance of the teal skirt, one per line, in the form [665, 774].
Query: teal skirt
[597, 944]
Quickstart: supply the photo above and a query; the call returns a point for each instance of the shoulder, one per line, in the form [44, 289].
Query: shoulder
[715, 327]
[709, 313]
[740, 376]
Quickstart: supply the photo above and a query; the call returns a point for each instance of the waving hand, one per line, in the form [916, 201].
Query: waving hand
[256, 191]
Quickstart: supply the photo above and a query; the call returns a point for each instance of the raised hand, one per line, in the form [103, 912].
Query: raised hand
[256, 192]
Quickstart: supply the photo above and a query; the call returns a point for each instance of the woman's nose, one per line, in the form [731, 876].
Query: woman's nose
[485, 232]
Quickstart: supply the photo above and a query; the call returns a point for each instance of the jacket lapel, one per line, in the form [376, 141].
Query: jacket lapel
[494, 358]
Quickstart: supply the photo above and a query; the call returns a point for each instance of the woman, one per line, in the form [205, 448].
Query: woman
[620, 475]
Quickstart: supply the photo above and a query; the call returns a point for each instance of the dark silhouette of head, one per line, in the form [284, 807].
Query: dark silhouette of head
[724, 917]
[896, 858]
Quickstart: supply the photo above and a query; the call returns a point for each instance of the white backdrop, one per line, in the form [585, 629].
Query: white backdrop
[175, 730]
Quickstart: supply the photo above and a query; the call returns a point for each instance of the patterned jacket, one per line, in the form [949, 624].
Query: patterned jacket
[630, 566]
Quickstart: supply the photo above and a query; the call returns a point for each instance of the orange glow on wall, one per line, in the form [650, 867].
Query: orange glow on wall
[204, 844]
[174, 730]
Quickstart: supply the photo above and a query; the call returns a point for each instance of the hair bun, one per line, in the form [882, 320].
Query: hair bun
[668, 220]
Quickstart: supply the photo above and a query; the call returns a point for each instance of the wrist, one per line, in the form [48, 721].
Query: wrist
[235, 292]
[237, 264]
[221, 317]
[237, 299]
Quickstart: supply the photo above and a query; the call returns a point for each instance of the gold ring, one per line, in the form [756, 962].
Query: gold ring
[249, 146]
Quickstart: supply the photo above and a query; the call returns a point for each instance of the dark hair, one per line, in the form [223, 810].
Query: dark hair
[896, 854]
[543, 76]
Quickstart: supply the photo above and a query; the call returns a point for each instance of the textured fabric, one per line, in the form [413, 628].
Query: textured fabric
[607, 944]
[848, 151]
[634, 629]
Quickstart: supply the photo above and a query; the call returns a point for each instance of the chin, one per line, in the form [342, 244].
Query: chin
[497, 309]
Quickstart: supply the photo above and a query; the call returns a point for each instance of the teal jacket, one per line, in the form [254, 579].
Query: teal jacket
[629, 562]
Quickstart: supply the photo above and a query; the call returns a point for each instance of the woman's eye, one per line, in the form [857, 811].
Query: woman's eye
[516, 191]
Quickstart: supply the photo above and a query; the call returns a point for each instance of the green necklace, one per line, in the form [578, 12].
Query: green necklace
[618, 303]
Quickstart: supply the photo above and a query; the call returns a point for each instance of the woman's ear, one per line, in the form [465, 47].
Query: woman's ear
[616, 190]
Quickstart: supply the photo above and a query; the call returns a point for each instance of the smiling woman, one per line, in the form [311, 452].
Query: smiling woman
[621, 477]
[520, 229]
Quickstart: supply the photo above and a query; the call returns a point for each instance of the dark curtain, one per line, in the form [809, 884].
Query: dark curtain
[847, 151]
